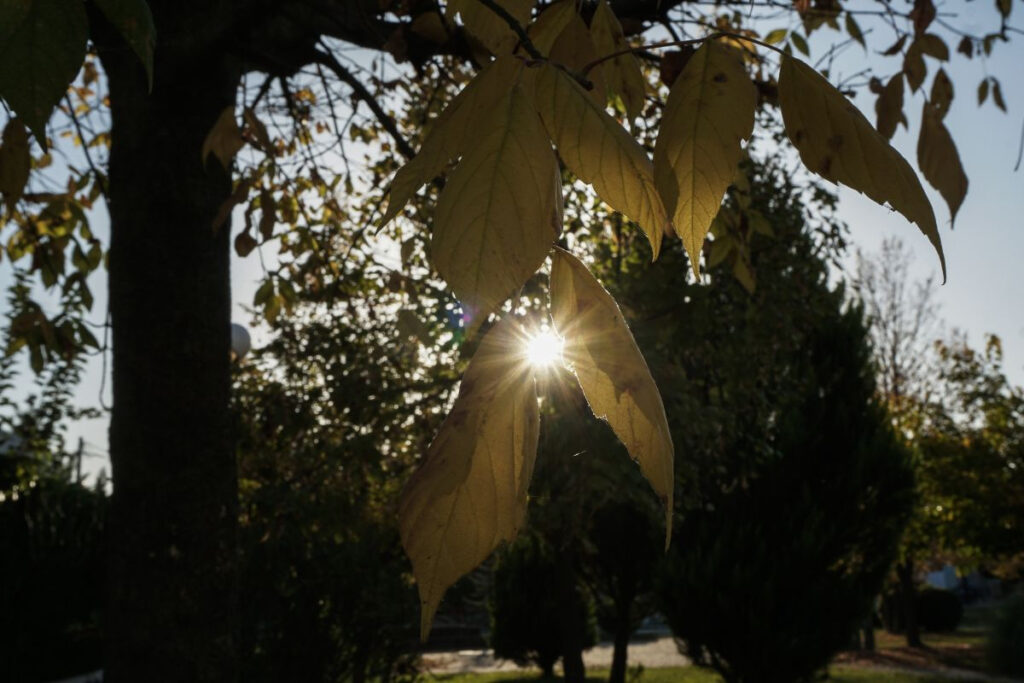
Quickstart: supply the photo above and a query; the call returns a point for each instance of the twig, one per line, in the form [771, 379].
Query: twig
[1020, 150]
[678, 43]
[85, 147]
[331, 62]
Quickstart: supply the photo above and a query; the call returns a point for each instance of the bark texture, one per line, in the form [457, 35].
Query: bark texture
[172, 571]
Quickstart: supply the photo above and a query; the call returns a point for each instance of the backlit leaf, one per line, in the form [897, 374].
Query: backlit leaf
[445, 135]
[500, 211]
[469, 495]
[550, 24]
[939, 161]
[43, 50]
[490, 29]
[134, 22]
[708, 114]
[224, 139]
[839, 144]
[600, 151]
[612, 372]
[15, 162]
[622, 73]
[574, 48]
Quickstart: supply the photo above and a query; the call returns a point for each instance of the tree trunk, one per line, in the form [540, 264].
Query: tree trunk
[908, 600]
[620, 651]
[868, 640]
[547, 668]
[172, 568]
[571, 622]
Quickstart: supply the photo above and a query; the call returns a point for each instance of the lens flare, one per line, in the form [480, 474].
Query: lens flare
[544, 349]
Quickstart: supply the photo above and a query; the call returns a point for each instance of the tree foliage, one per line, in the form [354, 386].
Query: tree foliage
[565, 75]
[796, 524]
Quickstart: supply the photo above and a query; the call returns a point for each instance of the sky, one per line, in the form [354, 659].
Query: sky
[984, 253]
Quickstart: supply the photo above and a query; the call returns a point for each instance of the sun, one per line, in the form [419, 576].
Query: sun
[543, 349]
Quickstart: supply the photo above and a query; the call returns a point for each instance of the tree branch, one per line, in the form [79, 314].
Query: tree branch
[331, 62]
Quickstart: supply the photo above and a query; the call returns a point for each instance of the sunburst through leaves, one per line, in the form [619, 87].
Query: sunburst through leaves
[544, 349]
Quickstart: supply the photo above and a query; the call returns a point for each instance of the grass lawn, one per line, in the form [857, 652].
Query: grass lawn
[840, 674]
[964, 649]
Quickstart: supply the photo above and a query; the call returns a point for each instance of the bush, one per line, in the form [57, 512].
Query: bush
[938, 610]
[51, 581]
[529, 608]
[1006, 641]
[770, 579]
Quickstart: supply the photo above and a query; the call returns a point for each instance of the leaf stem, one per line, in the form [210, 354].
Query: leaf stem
[676, 43]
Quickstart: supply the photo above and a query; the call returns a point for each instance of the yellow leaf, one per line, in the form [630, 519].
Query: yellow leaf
[444, 139]
[939, 161]
[470, 493]
[224, 139]
[15, 162]
[839, 144]
[708, 114]
[622, 72]
[889, 106]
[490, 29]
[600, 152]
[501, 208]
[550, 24]
[574, 49]
[612, 372]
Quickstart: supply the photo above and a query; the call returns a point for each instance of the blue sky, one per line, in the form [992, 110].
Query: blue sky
[985, 252]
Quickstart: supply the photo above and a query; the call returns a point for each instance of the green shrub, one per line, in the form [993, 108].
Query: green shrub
[770, 579]
[530, 610]
[939, 611]
[51, 581]
[1006, 641]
